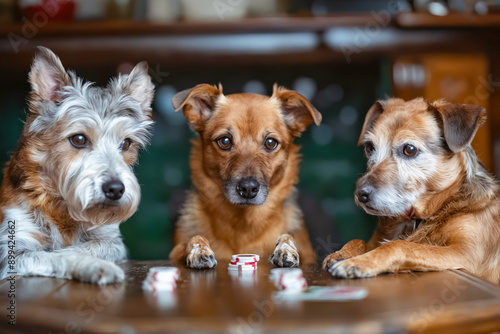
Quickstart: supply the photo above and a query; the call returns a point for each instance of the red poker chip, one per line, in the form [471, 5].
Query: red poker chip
[236, 263]
[155, 286]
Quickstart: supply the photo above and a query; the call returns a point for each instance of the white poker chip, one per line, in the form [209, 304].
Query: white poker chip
[164, 271]
[292, 284]
[245, 258]
[289, 279]
[163, 274]
[161, 279]
[253, 265]
[288, 272]
[242, 262]
[236, 263]
[156, 286]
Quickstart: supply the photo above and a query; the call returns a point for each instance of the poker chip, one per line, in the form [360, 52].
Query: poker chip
[243, 262]
[245, 258]
[235, 263]
[161, 278]
[289, 279]
[163, 273]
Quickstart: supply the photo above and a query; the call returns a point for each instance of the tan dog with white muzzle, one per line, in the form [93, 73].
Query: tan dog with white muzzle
[438, 207]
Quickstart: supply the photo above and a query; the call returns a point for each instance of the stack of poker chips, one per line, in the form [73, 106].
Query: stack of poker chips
[161, 279]
[242, 262]
[289, 279]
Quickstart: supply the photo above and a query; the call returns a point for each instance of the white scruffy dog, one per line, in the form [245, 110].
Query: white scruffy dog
[70, 182]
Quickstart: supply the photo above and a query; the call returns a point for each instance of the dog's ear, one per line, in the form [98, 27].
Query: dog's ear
[373, 114]
[460, 122]
[198, 103]
[298, 112]
[139, 85]
[47, 75]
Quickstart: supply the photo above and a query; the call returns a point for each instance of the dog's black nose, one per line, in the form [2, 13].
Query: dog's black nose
[113, 189]
[248, 187]
[363, 195]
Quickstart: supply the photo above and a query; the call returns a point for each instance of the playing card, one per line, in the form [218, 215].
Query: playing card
[324, 293]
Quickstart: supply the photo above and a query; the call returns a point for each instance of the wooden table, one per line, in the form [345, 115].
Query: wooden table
[216, 301]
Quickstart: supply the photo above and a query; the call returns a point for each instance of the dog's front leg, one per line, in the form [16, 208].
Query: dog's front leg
[86, 261]
[199, 253]
[104, 242]
[401, 255]
[351, 249]
[354, 248]
[285, 254]
[68, 265]
[92, 259]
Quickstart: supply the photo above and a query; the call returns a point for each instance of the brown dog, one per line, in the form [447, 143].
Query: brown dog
[438, 207]
[244, 166]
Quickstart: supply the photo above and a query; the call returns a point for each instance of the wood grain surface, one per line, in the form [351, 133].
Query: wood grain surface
[217, 301]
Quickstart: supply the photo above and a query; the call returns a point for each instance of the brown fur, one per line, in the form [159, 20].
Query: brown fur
[454, 223]
[208, 217]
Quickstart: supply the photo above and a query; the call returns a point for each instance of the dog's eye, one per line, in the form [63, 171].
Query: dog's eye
[369, 148]
[409, 150]
[224, 143]
[270, 144]
[125, 145]
[78, 141]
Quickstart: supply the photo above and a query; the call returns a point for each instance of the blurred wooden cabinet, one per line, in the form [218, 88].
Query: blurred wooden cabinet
[458, 78]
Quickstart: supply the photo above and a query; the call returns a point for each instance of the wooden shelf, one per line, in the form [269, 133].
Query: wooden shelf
[452, 20]
[257, 24]
[247, 25]
[267, 41]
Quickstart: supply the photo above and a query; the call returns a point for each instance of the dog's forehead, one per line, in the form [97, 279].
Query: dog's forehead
[245, 112]
[100, 102]
[245, 103]
[410, 119]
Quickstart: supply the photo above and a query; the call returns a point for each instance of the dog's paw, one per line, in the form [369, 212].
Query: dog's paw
[285, 254]
[97, 271]
[353, 268]
[201, 257]
[331, 260]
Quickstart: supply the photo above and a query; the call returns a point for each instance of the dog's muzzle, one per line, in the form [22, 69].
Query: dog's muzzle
[248, 188]
[363, 194]
[365, 197]
[113, 189]
[246, 191]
